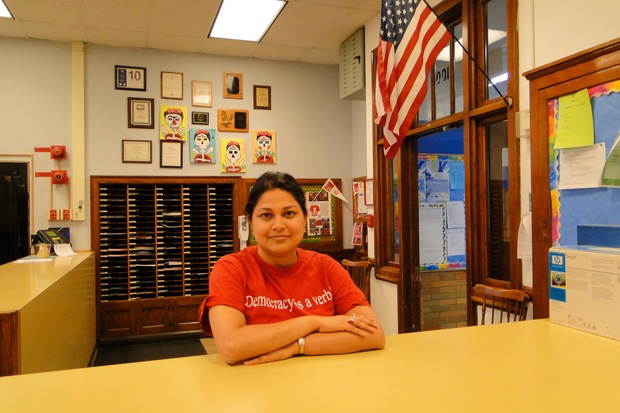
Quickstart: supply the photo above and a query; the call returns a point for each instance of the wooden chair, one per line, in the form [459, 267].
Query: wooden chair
[360, 273]
[511, 303]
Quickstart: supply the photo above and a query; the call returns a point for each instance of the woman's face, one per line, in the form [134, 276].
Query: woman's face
[278, 225]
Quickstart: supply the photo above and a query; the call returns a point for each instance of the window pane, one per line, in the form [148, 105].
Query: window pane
[496, 47]
[458, 69]
[442, 88]
[425, 112]
[394, 211]
[499, 212]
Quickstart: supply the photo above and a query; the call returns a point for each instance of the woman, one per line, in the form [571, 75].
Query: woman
[274, 300]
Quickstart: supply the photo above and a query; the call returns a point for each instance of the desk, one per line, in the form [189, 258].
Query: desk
[554, 369]
[47, 314]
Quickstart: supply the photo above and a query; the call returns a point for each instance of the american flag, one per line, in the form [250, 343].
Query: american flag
[411, 37]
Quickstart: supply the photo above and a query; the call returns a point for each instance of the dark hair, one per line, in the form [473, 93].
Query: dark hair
[272, 180]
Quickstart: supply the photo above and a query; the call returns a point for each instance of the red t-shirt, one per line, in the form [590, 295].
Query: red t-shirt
[315, 285]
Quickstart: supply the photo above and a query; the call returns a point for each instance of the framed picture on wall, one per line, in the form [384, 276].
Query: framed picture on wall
[171, 154]
[136, 151]
[262, 97]
[130, 78]
[172, 85]
[140, 112]
[201, 93]
[233, 85]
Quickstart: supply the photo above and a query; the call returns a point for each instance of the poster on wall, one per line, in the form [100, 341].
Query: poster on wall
[263, 146]
[232, 155]
[202, 146]
[173, 123]
[319, 212]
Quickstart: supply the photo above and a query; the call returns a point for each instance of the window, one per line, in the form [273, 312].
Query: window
[472, 97]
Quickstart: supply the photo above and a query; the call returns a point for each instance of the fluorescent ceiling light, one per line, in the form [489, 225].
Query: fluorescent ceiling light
[245, 19]
[4, 11]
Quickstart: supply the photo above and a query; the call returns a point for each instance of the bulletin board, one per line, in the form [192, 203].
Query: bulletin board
[441, 183]
[584, 206]
[324, 226]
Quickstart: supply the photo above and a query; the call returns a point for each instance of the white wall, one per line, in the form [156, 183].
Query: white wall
[313, 126]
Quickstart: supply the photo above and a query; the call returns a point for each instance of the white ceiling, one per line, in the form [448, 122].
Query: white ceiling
[307, 31]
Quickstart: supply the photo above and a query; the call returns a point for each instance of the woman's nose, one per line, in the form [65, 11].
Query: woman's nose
[278, 222]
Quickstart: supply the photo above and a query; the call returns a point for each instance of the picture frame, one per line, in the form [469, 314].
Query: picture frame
[140, 113]
[171, 154]
[368, 192]
[262, 97]
[202, 93]
[233, 120]
[137, 151]
[130, 78]
[172, 85]
[200, 118]
[232, 85]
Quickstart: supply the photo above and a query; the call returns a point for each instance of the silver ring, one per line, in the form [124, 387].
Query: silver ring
[352, 319]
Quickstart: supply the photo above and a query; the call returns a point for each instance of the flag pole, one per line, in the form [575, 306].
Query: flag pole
[507, 101]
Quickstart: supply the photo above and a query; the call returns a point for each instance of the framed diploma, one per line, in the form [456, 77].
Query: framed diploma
[140, 113]
[137, 151]
[171, 154]
[201, 93]
[262, 97]
[172, 85]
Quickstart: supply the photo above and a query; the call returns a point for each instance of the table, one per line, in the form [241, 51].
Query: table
[531, 366]
[47, 314]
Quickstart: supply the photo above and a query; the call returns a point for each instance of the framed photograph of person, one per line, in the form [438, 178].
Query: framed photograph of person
[172, 85]
[140, 112]
[201, 93]
[171, 154]
[233, 85]
[130, 78]
[136, 151]
[262, 97]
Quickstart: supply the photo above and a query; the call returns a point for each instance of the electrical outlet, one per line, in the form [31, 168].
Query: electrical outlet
[66, 214]
[53, 215]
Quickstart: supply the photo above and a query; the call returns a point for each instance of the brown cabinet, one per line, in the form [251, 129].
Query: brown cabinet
[157, 239]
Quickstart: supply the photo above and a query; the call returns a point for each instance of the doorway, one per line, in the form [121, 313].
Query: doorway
[14, 218]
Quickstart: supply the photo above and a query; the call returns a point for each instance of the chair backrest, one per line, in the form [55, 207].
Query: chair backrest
[506, 302]
[360, 273]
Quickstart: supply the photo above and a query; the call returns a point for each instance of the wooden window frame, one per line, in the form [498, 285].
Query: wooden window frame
[477, 112]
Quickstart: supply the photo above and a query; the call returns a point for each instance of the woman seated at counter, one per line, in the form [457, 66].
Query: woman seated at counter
[274, 300]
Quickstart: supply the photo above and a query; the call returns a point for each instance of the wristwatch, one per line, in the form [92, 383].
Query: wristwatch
[302, 345]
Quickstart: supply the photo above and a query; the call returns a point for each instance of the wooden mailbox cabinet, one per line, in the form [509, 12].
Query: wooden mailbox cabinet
[156, 240]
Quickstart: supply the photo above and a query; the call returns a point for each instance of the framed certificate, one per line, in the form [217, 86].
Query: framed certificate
[135, 151]
[171, 154]
[201, 93]
[262, 97]
[172, 85]
[140, 113]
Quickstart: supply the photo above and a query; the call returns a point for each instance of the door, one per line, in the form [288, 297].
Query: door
[14, 237]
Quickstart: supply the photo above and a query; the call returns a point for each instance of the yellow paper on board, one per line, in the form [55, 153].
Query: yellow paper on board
[575, 124]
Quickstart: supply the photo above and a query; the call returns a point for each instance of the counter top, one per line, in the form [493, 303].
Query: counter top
[20, 283]
[533, 366]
